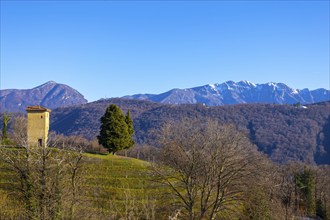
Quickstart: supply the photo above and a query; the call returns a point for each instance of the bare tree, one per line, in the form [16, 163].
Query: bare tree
[40, 176]
[206, 165]
[19, 131]
[75, 167]
[322, 191]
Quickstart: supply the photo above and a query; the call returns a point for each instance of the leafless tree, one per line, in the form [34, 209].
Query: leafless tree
[206, 165]
[19, 131]
[322, 191]
[40, 176]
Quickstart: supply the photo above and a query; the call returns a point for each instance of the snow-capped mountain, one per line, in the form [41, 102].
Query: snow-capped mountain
[238, 92]
[51, 95]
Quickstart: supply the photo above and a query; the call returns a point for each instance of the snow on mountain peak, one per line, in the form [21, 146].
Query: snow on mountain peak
[272, 84]
[247, 83]
[295, 91]
[231, 92]
[213, 87]
[229, 85]
[250, 83]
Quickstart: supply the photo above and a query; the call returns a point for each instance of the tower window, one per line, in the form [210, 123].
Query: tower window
[42, 116]
[40, 142]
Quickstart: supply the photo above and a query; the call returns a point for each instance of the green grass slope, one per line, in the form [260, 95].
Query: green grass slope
[116, 185]
[110, 187]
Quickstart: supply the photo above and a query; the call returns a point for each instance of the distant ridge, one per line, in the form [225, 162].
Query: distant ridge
[237, 93]
[54, 95]
[50, 95]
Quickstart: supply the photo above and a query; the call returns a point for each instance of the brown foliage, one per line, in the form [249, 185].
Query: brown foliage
[206, 165]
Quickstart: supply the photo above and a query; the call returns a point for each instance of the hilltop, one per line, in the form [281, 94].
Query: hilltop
[50, 95]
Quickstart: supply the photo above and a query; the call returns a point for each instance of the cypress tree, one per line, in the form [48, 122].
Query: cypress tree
[306, 183]
[6, 120]
[130, 127]
[114, 134]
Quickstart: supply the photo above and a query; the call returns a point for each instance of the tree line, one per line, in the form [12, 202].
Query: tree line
[285, 132]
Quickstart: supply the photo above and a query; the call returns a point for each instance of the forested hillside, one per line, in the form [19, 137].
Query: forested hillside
[284, 132]
[85, 119]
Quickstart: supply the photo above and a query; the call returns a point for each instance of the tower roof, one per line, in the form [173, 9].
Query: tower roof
[37, 108]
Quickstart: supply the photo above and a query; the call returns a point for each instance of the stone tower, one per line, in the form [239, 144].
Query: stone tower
[38, 125]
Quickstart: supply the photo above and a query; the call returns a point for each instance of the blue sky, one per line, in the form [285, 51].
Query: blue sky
[114, 48]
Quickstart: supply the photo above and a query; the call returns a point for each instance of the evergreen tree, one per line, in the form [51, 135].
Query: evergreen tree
[6, 120]
[114, 131]
[306, 183]
[321, 210]
[130, 127]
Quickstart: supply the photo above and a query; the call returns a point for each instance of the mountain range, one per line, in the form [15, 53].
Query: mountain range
[50, 95]
[237, 93]
[54, 95]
